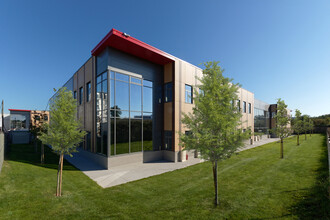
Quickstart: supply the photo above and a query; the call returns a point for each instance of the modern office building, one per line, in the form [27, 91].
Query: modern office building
[130, 100]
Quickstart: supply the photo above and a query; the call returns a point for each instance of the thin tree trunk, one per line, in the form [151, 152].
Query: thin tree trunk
[310, 133]
[61, 174]
[282, 148]
[58, 178]
[215, 178]
[298, 140]
[42, 153]
[305, 135]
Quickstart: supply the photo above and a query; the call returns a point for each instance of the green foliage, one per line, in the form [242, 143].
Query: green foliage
[298, 124]
[214, 122]
[282, 129]
[64, 131]
[306, 123]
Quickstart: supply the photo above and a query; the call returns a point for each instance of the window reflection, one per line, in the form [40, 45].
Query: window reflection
[129, 121]
[136, 135]
[122, 95]
[17, 122]
[122, 138]
[135, 97]
[147, 99]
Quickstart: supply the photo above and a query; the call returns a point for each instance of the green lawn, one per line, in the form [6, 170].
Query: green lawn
[254, 184]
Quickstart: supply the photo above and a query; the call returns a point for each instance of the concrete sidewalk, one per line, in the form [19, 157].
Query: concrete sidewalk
[134, 171]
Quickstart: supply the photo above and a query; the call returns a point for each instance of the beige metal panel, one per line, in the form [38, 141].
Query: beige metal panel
[168, 113]
[185, 73]
[247, 119]
[168, 72]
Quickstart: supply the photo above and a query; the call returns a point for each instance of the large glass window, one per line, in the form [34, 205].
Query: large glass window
[250, 108]
[244, 107]
[261, 120]
[188, 94]
[17, 122]
[130, 112]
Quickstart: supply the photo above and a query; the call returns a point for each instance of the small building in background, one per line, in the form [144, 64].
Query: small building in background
[21, 121]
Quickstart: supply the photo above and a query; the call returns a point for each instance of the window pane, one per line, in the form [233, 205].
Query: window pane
[104, 130]
[98, 131]
[147, 83]
[81, 95]
[112, 136]
[136, 135]
[135, 80]
[88, 92]
[147, 99]
[99, 79]
[98, 97]
[122, 138]
[168, 140]
[104, 76]
[105, 94]
[147, 132]
[122, 95]
[122, 77]
[168, 92]
[136, 91]
[112, 93]
[188, 92]
[112, 75]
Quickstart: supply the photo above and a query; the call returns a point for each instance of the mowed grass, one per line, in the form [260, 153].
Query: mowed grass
[255, 184]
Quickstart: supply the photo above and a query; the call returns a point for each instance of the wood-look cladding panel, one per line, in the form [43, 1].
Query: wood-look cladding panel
[168, 114]
[168, 72]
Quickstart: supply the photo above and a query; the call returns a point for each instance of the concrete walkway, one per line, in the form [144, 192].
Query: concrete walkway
[134, 171]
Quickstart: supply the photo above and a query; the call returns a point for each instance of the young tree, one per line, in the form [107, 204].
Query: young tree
[305, 120]
[310, 126]
[282, 129]
[298, 124]
[63, 132]
[215, 120]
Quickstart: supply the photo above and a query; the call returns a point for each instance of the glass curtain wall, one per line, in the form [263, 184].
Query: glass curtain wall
[130, 114]
[261, 120]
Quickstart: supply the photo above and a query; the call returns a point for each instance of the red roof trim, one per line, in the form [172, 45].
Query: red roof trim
[19, 110]
[131, 45]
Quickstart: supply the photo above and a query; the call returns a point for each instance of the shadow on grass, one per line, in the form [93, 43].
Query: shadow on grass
[315, 204]
[25, 153]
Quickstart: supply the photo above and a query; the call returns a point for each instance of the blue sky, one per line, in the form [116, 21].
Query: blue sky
[274, 48]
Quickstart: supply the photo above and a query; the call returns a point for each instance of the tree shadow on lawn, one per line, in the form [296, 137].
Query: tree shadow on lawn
[25, 153]
[315, 204]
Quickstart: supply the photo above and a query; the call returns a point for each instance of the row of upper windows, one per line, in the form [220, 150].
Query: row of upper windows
[244, 106]
[168, 92]
[81, 93]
